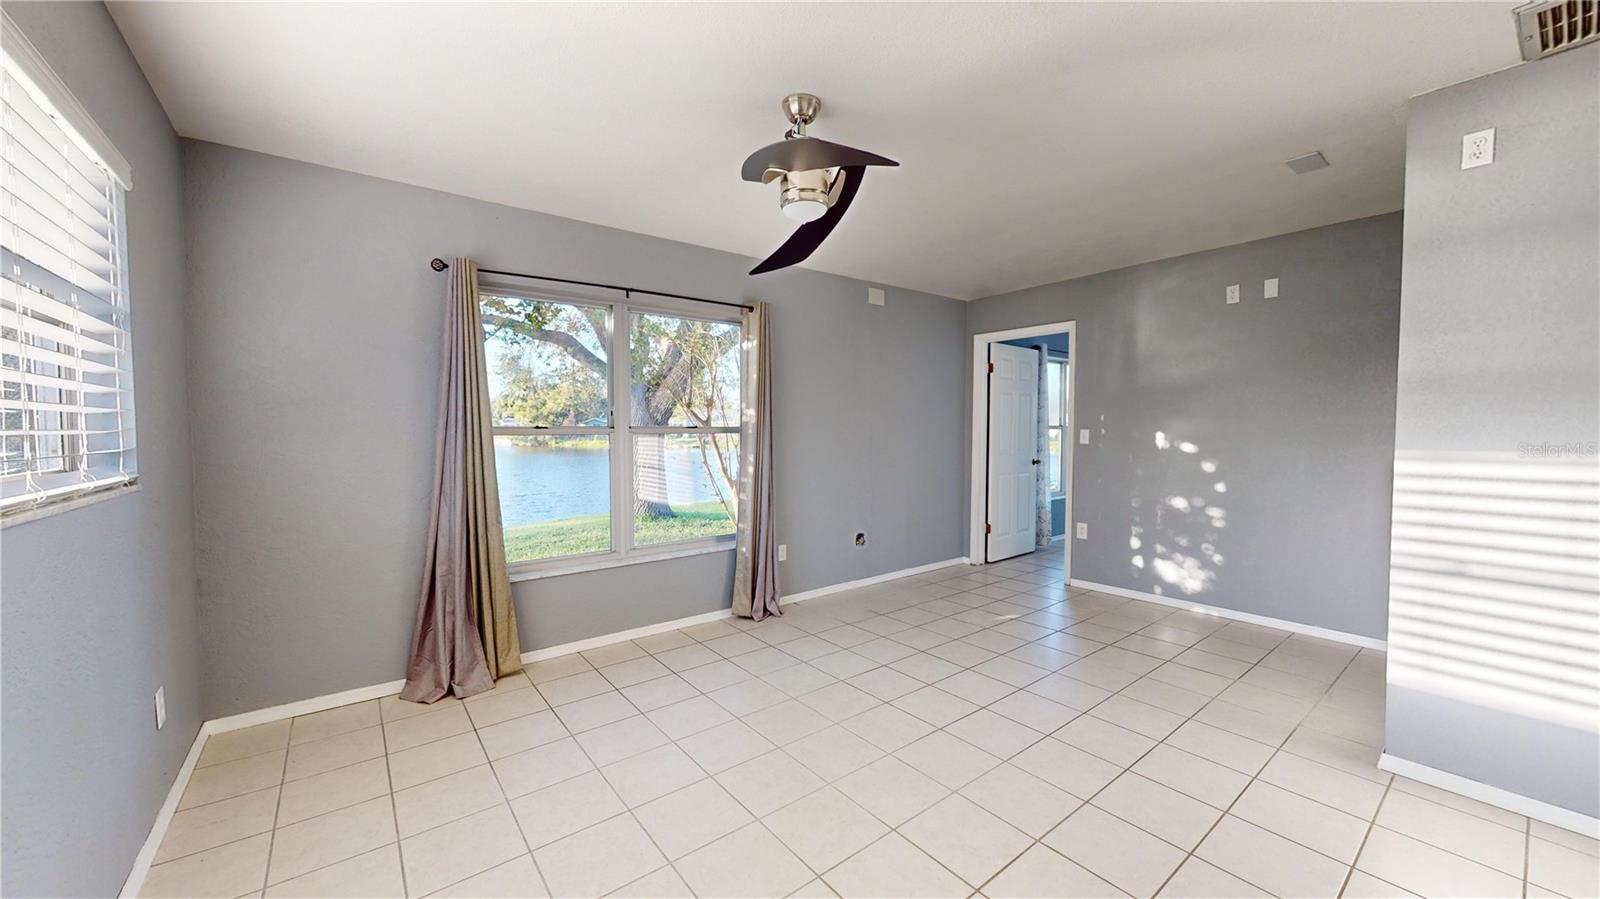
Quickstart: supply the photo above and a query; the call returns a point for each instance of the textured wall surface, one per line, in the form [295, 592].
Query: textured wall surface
[1240, 455]
[90, 635]
[314, 327]
[1494, 664]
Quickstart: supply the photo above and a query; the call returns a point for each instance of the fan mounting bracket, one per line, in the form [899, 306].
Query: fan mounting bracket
[802, 110]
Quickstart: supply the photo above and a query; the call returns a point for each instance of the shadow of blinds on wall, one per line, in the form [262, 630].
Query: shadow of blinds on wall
[66, 369]
[1495, 582]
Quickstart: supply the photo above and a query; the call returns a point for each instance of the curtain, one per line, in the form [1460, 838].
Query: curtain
[1041, 472]
[466, 630]
[755, 573]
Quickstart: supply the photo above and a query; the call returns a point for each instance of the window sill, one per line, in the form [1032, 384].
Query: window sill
[49, 510]
[579, 567]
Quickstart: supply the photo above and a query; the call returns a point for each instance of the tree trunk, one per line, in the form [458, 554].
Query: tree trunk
[650, 499]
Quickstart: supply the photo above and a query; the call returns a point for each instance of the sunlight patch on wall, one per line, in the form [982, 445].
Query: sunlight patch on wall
[1494, 595]
[1180, 520]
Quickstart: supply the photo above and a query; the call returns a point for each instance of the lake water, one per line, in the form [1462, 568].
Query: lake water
[543, 483]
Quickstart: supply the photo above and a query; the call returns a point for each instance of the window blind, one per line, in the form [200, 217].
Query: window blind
[66, 369]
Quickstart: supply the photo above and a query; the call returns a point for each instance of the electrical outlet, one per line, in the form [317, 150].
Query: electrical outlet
[1083, 530]
[1269, 288]
[1477, 148]
[861, 538]
[1083, 436]
[1233, 294]
[783, 552]
[161, 707]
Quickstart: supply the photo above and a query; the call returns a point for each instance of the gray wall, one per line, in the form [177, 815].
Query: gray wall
[90, 634]
[314, 327]
[1290, 399]
[1500, 347]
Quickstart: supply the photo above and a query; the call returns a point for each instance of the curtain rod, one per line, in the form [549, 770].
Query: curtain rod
[440, 265]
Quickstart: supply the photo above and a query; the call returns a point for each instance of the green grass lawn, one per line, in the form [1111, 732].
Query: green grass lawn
[592, 533]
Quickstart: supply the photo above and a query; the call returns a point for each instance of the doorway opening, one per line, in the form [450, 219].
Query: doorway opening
[1023, 394]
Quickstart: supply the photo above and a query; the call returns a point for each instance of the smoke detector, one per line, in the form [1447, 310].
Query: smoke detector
[1550, 26]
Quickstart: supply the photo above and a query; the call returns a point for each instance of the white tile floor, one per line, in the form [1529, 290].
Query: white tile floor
[967, 731]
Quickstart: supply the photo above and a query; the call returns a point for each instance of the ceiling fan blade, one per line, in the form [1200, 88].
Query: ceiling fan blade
[805, 240]
[805, 153]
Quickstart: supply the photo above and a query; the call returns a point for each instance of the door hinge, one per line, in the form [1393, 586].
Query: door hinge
[991, 368]
[988, 529]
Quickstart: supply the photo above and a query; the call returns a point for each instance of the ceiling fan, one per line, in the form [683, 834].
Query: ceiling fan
[817, 179]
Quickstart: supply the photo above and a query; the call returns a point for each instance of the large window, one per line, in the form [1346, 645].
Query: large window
[1056, 387]
[602, 458]
[66, 373]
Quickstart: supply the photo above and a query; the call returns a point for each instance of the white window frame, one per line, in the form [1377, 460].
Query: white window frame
[620, 432]
[53, 97]
[1065, 428]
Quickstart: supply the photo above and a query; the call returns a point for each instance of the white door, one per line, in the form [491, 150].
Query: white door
[1013, 441]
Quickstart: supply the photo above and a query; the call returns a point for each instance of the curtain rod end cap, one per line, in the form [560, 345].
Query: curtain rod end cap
[438, 264]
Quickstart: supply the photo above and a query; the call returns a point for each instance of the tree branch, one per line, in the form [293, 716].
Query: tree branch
[568, 343]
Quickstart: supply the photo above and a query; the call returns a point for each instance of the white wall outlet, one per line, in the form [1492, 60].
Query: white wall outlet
[1083, 436]
[1233, 294]
[875, 296]
[1477, 148]
[783, 552]
[1083, 530]
[1269, 288]
[161, 707]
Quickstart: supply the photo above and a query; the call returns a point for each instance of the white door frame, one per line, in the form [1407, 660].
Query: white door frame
[979, 480]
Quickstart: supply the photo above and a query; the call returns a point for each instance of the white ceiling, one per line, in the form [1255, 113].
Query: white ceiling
[1036, 142]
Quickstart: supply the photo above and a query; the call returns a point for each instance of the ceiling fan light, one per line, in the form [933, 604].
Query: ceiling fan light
[804, 196]
[804, 209]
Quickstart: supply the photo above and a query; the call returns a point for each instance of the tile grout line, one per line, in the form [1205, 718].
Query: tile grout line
[1129, 769]
[394, 809]
[1527, 852]
[1371, 825]
[277, 808]
[1035, 591]
[504, 798]
[1253, 778]
[895, 829]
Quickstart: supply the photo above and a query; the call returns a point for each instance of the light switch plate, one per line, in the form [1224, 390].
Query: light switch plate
[1233, 294]
[875, 296]
[1083, 530]
[161, 707]
[1269, 288]
[1477, 148]
[1083, 436]
[783, 552]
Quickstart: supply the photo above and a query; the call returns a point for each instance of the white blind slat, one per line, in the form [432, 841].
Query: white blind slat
[56, 358]
[16, 379]
[66, 383]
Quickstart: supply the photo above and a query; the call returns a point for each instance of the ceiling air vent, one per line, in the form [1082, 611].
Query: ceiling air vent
[1550, 26]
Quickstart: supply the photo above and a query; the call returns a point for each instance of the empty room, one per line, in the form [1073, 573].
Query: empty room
[745, 450]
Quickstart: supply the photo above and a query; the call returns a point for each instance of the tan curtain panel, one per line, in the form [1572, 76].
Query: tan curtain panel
[466, 631]
[755, 574]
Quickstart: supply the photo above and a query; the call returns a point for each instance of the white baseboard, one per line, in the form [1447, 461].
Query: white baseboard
[1309, 630]
[584, 645]
[1511, 802]
[158, 830]
[875, 579]
[302, 707]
